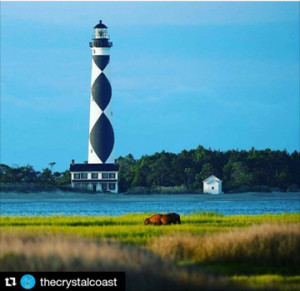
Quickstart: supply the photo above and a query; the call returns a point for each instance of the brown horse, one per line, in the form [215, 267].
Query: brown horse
[159, 219]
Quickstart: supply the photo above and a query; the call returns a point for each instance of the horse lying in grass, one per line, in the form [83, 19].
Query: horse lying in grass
[159, 219]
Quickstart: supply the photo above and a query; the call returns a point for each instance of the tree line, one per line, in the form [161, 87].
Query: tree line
[240, 171]
[26, 178]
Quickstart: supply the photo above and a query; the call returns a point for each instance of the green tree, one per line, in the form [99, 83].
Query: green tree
[64, 178]
[126, 172]
[27, 174]
[6, 174]
[207, 170]
[190, 177]
[239, 175]
[46, 177]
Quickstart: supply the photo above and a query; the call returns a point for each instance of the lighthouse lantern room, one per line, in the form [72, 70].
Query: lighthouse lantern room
[100, 31]
[100, 173]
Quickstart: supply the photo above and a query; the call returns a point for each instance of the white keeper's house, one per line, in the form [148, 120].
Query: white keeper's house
[212, 185]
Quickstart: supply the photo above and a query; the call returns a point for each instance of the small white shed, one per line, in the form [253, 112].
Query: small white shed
[212, 185]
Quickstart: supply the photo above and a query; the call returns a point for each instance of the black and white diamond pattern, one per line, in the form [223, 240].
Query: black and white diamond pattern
[101, 130]
[101, 91]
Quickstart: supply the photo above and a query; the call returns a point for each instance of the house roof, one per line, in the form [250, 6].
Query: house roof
[212, 177]
[93, 167]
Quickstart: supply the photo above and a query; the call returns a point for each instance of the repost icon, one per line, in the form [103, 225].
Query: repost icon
[10, 282]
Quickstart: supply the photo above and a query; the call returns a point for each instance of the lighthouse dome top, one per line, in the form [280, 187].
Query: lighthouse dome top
[100, 25]
[100, 37]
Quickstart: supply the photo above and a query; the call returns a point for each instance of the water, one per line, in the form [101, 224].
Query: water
[66, 203]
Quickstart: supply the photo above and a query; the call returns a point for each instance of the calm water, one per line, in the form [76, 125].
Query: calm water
[62, 203]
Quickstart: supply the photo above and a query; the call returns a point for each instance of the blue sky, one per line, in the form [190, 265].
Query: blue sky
[221, 75]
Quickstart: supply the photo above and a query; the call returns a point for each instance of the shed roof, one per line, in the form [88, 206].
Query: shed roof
[212, 177]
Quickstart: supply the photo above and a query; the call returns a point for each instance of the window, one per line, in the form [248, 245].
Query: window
[104, 175]
[112, 186]
[94, 175]
[213, 187]
[76, 176]
[112, 175]
[83, 176]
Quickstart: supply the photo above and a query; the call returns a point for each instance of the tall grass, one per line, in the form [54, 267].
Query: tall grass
[130, 228]
[200, 219]
[262, 282]
[276, 244]
[144, 270]
[151, 255]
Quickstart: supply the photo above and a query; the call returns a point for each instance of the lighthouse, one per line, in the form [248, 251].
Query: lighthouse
[100, 173]
[101, 137]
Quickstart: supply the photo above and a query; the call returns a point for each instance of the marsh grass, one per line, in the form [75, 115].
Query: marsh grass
[243, 268]
[138, 219]
[262, 282]
[144, 270]
[266, 244]
[130, 228]
[171, 257]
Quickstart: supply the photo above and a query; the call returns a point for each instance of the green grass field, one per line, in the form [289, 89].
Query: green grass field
[207, 250]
